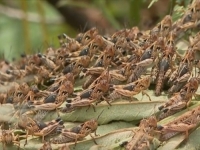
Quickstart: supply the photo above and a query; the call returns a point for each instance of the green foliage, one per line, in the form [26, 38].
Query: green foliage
[152, 2]
[44, 24]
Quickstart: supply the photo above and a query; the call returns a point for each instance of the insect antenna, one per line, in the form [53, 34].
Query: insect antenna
[100, 114]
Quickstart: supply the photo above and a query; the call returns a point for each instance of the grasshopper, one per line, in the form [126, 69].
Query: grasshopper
[93, 73]
[165, 64]
[106, 57]
[35, 128]
[89, 96]
[97, 74]
[180, 77]
[164, 69]
[148, 57]
[121, 75]
[192, 14]
[121, 48]
[58, 81]
[42, 75]
[71, 44]
[181, 99]
[164, 27]
[74, 134]
[17, 73]
[131, 89]
[51, 103]
[67, 136]
[105, 75]
[189, 19]
[78, 132]
[77, 66]
[17, 95]
[8, 138]
[143, 136]
[46, 62]
[96, 45]
[183, 123]
[6, 77]
[88, 36]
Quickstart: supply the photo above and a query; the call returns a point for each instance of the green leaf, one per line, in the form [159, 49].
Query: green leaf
[105, 129]
[192, 142]
[119, 111]
[135, 7]
[6, 112]
[172, 143]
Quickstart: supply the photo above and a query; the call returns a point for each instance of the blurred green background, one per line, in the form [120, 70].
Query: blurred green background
[29, 26]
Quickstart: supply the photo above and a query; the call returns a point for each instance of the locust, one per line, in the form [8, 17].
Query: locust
[105, 59]
[165, 64]
[51, 103]
[143, 136]
[8, 138]
[184, 123]
[76, 66]
[40, 129]
[121, 75]
[148, 57]
[180, 100]
[88, 97]
[78, 132]
[131, 89]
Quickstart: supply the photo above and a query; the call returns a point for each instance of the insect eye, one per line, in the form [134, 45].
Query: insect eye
[118, 47]
[159, 26]
[141, 86]
[80, 66]
[87, 128]
[145, 40]
[165, 28]
[19, 94]
[87, 37]
[168, 42]
[158, 48]
[64, 92]
[60, 57]
[95, 46]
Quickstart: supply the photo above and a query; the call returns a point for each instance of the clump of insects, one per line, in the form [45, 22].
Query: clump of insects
[106, 68]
